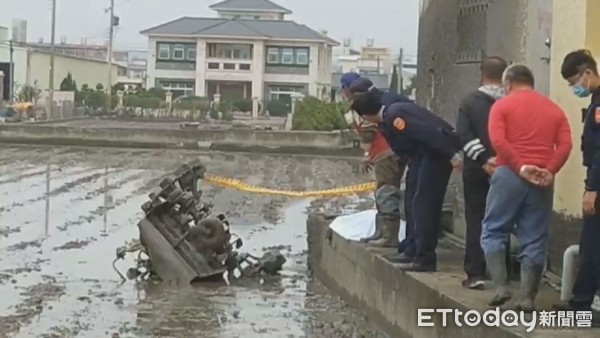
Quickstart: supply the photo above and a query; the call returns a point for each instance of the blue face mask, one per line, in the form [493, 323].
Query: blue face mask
[580, 91]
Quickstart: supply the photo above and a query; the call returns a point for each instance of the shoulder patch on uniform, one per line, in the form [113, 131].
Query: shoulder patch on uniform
[399, 123]
[597, 114]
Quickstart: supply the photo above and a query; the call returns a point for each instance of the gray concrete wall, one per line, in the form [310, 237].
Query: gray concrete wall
[514, 30]
[308, 142]
[389, 296]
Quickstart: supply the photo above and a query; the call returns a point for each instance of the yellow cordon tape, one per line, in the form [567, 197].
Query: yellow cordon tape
[335, 192]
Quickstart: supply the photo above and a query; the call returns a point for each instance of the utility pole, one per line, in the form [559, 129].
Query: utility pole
[51, 77]
[11, 78]
[401, 70]
[110, 52]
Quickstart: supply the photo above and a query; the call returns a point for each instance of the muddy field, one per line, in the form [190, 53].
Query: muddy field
[56, 278]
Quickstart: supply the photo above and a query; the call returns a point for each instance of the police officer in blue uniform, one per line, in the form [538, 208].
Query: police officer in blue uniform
[428, 139]
[407, 247]
[580, 70]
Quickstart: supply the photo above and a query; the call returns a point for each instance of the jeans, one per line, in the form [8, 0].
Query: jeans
[512, 200]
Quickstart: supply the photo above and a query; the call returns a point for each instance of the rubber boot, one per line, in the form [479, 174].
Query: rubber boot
[378, 231]
[390, 227]
[531, 276]
[496, 265]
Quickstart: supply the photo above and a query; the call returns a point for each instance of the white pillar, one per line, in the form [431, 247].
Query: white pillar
[258, 71]
[295, 98]
[255, 106]
[200, 68]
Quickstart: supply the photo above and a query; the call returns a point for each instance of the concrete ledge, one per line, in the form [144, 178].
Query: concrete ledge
[269, 141]
[391, 297]
[47, 122]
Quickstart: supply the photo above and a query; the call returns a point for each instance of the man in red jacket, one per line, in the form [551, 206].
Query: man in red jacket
[532, 139]
[388, 172]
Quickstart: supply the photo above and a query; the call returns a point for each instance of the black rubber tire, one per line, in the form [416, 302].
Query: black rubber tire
[215, 237]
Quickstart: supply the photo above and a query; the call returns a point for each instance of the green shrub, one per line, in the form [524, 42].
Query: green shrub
[95, 98]
[244, 105]
[313, 114]
[279, 107]
[142, 101]
[194, 103]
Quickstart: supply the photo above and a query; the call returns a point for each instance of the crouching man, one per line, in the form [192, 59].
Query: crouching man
[388, 170]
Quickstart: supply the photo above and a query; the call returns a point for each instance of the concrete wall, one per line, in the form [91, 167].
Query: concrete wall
[389, 296]
[515, 30]
[309, 142]
[576, 26]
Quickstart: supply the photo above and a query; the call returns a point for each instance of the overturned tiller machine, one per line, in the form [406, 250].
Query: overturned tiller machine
[181, 241]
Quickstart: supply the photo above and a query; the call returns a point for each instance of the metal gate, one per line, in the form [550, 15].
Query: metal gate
[471, 26]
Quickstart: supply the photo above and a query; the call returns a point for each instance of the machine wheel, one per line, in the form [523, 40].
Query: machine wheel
[210, 234]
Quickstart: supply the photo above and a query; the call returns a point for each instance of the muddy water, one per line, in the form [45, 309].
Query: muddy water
[56, 278]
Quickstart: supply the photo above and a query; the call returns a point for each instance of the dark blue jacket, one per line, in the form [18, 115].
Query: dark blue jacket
[590, 144]
[410, 128]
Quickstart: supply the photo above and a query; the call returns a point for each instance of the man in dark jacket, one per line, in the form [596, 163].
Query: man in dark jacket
[426, 138]
[479, 164]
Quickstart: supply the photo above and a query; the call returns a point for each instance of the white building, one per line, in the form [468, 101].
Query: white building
[31, 68]
[249, 51]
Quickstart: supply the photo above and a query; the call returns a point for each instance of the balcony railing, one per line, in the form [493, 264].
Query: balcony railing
[228, 65]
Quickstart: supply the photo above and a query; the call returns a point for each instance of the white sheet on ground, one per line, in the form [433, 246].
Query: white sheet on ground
[359, 225]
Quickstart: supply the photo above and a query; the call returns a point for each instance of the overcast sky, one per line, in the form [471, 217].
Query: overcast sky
[392, 23]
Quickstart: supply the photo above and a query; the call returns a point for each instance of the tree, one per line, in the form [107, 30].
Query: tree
[408, 90]
[117, 87]
[394, 82]
[68, 85]
[99, 87]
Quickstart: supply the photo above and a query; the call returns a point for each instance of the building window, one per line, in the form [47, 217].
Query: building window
[301, 56]
[471, 24]
[287, 56]
[229, 51]
[256, 17]
[244, 66]
[229, 66]
[164, 52]
[191, 54]
[273, 55]
[283, 93]
[178, 88]
[178, 52]
[213, 65]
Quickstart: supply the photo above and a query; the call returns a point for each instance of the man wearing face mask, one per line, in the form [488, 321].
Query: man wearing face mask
[388, 168]
[472, 128]
[580, 70]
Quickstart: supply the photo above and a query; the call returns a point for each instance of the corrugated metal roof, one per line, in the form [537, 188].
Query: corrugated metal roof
[267, 29]
[250, 5]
